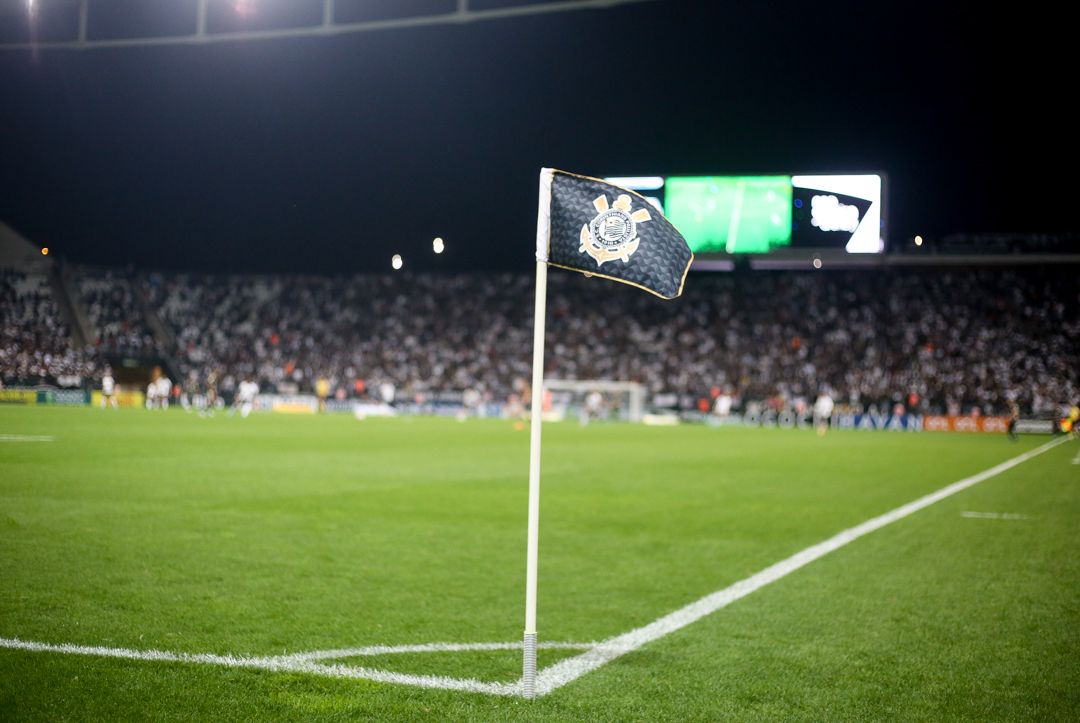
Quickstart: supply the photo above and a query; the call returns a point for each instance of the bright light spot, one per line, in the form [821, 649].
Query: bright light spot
[45, 251]
[637, 183]
[918, 240]
[828, 214]
[244, 8]
[396, 261]
[438, 246]
[817, 263]
[770, 194]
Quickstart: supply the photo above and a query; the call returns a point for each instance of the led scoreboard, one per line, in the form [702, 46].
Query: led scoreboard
[756, 214]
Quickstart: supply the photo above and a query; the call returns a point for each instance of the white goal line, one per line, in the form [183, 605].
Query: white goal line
[553, 677]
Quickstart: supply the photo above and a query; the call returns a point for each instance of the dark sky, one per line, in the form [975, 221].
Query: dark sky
[329, 155]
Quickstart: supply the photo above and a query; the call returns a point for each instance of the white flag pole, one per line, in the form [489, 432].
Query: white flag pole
[543, 231]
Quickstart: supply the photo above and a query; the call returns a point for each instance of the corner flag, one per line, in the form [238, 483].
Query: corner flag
[592, 226]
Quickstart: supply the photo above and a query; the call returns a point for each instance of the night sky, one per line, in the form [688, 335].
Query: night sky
[330, 155]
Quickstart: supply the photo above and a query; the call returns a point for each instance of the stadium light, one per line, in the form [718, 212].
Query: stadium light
[396, 261]
[45, 251]
[918, 240]
[438, 246]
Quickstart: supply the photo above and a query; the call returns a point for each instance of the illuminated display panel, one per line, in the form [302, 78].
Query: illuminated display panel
[736, 214]
[756, 214]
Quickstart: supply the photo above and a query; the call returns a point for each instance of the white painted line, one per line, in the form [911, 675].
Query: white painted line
[568, 670]
[565, 671]
[1076, 459]
[275, 663]
[23, 438]
[430, 648]
[993, 515]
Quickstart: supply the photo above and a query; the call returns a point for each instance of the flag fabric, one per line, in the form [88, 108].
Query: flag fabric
[588, 225]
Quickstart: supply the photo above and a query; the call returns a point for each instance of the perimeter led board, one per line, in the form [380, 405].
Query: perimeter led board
[756, 214]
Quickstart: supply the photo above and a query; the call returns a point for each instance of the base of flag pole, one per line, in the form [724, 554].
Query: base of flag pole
[528, 677]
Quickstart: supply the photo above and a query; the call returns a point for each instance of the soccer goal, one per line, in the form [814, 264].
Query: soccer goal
[593, 400]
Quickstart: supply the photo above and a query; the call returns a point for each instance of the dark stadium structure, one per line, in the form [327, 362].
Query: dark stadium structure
[933, 339]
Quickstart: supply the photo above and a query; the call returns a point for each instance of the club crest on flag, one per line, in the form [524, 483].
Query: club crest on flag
[589, 225]
[612, 234]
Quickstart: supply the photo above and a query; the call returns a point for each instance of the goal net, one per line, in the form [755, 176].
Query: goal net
[592, 400]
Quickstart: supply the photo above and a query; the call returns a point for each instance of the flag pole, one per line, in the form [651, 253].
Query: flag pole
[528, 677]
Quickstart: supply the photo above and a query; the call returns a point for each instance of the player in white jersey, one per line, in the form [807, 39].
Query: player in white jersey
[164, 391]
[151, 395]
[245, 398]
[722, 408]
[593, 408]
[108, 390]
[470, 404]
[823, 408]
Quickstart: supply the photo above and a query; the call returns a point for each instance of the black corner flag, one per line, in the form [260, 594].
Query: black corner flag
[600, 229]
[587, 225]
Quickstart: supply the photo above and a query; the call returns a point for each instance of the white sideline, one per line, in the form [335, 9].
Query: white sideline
[23, 438]
[563, 672]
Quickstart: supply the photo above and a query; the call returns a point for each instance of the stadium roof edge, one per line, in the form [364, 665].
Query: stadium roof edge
[327, 28]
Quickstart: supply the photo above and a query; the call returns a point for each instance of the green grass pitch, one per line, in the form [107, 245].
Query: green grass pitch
[164, 531]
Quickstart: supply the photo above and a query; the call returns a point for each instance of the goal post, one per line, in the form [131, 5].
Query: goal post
[633, 393]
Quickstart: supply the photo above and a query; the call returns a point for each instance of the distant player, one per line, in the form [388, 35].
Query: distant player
[245, 398]
[1014, 417]
[823, 409]
[322, 391]
[189, 392]
[108, 390]
[722, 407]
[211, 395]
[594, 406]
[164, 391]
[387, 392]
[151, 395]
[470, 403]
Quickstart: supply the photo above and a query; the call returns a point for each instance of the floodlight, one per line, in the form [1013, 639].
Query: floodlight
[45, 251]
[438, 246]
[918, 240]
[396, 261]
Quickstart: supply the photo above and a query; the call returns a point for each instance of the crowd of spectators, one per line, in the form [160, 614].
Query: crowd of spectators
[115, 312]
[35, 344]
[941, 340]
[932, 340]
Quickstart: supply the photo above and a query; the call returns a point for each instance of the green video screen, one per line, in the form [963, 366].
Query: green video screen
[736, 214]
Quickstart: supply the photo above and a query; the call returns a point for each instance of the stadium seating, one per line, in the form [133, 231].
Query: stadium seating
[955, 339]
[35, 345]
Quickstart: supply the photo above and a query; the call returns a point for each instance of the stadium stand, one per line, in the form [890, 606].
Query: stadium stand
[35, 344]
[955, 339]
[114, 311]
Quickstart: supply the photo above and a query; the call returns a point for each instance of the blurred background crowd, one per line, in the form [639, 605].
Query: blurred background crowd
[934, 341]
